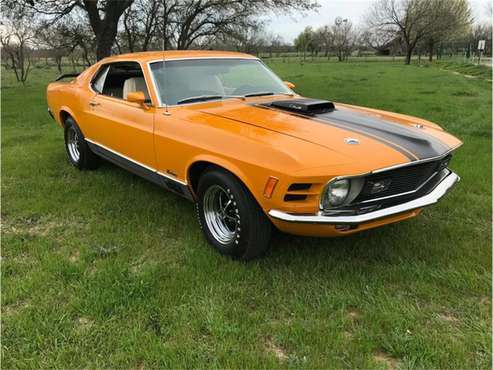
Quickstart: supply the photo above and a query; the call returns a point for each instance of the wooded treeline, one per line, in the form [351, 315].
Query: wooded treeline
[401, 27]
[83, 31]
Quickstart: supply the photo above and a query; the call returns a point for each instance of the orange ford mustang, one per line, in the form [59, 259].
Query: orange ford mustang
[222, 130]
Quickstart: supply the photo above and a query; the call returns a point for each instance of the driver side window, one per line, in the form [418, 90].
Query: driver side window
[119, 79]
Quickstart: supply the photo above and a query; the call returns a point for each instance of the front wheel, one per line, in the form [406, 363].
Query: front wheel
[78, 152]
[231, 219]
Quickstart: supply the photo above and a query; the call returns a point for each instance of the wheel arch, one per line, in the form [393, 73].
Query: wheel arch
[64, 113]
[197, 167]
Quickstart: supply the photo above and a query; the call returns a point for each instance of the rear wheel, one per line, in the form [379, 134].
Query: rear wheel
[231, 219]
[78, 151]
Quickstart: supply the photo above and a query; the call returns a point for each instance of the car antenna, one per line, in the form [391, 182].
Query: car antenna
[166, 112]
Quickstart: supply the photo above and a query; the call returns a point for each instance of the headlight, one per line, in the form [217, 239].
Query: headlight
[336, 193]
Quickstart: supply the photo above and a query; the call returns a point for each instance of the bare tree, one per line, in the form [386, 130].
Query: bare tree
[304, 41]
[343, 38]
[103, 16]
[16, 37]
[182, 23]
[411, 20]
[141, 23]
[195, 19]
[326, 39]
[452, 19]
[481, 31]
[276, 43]
[376, 38]
[57, 40]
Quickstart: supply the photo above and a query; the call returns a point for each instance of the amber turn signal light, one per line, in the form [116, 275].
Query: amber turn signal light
[270, 186]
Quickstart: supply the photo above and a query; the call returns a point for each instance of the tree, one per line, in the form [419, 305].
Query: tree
[481, 32]
[57, 39]
[196, 19]
[343, 39]
[326, 39]
[303, 41]
[141, 23]
[16, 36]
[276, 44]
[377, 39]
[103, 16]
[411, 20]
[180, 22]
[452, 19]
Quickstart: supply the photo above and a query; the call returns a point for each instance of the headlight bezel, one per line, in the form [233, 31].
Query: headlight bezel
[355, 185]
[336, 193]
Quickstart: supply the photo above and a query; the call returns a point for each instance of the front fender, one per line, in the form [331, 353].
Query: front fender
[252, 182]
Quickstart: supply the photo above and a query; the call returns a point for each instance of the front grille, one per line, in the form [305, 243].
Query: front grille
[398, 181]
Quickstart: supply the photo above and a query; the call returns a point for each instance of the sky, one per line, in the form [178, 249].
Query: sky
[288, 27]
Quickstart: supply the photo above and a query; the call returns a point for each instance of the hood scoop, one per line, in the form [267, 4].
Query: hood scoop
[308, 107]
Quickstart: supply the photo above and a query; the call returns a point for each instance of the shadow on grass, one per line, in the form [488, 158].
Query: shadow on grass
[384, 245]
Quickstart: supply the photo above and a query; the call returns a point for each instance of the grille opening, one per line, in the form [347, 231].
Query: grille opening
[294, 197]
[299, 186]
[401, 180]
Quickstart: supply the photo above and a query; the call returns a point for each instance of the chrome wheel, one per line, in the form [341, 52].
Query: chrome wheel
[221, 214]
[73, 144]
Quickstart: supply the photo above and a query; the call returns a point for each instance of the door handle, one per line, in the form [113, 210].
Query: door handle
[94, 104]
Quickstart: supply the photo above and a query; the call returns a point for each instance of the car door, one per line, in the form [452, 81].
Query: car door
[121, 130]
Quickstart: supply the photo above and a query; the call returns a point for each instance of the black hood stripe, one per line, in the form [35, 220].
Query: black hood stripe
[342, 125]
[409, 141]
[414, 140]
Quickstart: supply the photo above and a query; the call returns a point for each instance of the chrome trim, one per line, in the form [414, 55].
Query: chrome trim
[171, 178]
[431, 198]
[188, 58]
[380, 170]
[405, 193]
[154, 85]
[137, 163]
[107, 64]
[431, 159]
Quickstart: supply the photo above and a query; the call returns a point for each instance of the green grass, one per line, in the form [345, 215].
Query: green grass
[102, 269]
[467, 69]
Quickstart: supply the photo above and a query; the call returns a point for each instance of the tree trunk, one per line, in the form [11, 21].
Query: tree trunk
[431, 47]
[105, 43]
[58, 60]
[409, 54]
[105, 28]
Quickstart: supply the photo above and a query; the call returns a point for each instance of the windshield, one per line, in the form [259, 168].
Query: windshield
[193, 80]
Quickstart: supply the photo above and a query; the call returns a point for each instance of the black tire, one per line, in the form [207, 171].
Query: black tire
[78, 151]
[253, 229]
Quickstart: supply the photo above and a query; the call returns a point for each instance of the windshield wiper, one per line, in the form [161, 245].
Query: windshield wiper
[194, 99]
[260, 93]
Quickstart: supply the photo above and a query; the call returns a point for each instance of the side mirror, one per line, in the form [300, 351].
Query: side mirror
[289, 84]
[137, 97]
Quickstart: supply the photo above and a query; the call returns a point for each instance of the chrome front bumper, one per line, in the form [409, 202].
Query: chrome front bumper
[431, 198]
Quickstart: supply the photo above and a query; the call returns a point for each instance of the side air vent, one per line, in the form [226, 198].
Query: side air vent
[294, 197]
[304, 106]
[295, 187]
[298, 192]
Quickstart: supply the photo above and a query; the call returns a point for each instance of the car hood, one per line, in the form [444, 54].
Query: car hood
[379, 138]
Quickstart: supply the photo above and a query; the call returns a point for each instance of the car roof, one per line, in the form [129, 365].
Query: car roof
[176, 54]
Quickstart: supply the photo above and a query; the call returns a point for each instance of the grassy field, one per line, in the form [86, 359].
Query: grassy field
[102, 269]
